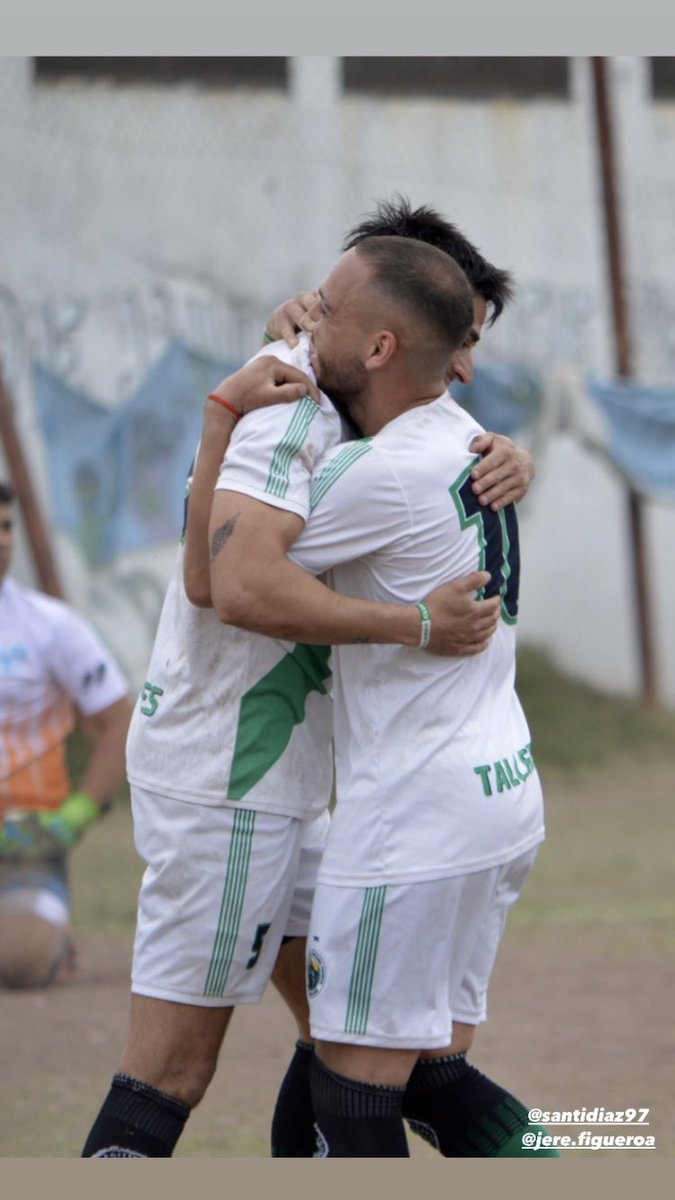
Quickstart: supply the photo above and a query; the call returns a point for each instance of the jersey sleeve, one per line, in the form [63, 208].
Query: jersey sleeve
[357, 507]
[272, 452]
[82, 665]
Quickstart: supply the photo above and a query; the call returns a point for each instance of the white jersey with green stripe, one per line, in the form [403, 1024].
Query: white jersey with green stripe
[228, 717]
[273, 452]
[435, 774]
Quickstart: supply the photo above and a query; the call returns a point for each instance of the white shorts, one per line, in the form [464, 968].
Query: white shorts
[395, 965]
[222, 887]
[39, 889]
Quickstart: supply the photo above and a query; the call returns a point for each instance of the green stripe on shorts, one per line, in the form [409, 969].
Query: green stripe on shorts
[232, 903]
[290, 445]
[363, 970]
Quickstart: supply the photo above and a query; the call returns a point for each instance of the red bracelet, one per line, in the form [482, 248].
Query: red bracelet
[226, 404]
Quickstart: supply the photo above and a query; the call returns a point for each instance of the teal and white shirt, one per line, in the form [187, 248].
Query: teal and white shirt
[228, 717]
[434, 768]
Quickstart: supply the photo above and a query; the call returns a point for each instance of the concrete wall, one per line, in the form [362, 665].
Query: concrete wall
[135, 215]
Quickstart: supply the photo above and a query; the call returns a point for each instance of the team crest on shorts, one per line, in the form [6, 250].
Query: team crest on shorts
[117, 1152]
[321, 1147]
[316, 973]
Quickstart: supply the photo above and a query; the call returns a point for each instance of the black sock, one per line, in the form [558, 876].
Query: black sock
[356, 1120]
[136, 1121]
[293, 1133]
[463, 1114]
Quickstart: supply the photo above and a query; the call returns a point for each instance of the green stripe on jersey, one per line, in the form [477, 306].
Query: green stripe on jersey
[290, 445]
[330, 474]
[475, 521]
[270, 710]
[506, 569]
[232, 903]
[363, 969]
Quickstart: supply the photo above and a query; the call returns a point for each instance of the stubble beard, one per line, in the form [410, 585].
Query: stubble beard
[343, 385]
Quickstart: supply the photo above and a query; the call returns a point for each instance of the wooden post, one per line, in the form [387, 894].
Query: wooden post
[623, 361]
[40, 545]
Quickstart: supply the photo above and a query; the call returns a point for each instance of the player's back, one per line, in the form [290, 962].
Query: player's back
[434, 770]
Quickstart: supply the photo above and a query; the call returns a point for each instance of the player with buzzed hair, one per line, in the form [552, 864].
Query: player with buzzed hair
[54, 671]
[439, 809]
[505, 470]
[398, 218]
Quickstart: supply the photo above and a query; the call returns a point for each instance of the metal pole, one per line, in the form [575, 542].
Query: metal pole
[25, 494]
[623, 359]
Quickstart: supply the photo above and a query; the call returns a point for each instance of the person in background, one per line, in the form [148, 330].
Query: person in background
[54, 670]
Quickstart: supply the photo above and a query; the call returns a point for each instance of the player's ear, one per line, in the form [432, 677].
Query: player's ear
[381, 349]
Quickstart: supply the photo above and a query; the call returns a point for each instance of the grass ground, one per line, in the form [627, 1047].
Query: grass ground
[581, 999]
[575, 726]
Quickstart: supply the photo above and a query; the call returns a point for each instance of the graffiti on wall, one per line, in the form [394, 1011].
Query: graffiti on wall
[104, 345]
[118, 383]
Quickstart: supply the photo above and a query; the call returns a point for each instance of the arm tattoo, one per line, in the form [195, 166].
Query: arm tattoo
[222, 535]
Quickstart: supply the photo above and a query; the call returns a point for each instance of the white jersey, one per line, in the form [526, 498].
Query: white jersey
[434, 769]
[51, 662]
[228, 717]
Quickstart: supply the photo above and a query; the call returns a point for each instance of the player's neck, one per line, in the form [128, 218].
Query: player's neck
[382, 405]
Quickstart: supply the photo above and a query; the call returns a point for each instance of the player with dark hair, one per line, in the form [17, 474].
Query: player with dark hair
[500, 477]
[53, 667]
[397, 217]
[505, 470]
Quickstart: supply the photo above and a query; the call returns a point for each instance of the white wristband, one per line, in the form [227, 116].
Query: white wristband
[425, 636]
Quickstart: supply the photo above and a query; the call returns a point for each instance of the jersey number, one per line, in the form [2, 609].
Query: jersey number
[257, 945]
[497, 543]
[149, 697]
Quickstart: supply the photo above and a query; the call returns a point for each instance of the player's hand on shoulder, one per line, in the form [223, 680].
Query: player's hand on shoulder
[290, 318]
[461, 624]
[264, 381]
[505, 472]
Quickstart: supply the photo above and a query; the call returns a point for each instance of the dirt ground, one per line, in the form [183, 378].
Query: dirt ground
[580, 1009]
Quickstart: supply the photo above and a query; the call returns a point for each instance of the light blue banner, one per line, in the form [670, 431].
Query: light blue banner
[503, 397]
[118, 478]
[642, 433]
